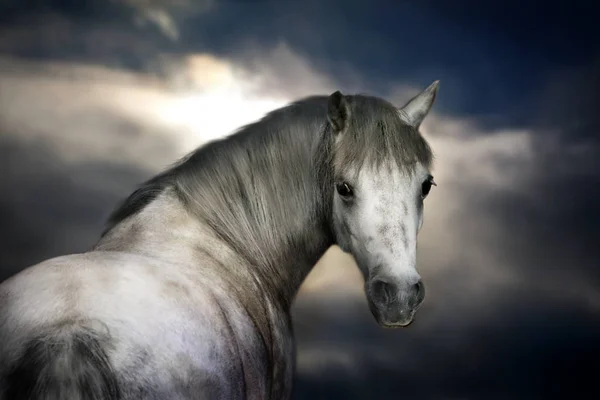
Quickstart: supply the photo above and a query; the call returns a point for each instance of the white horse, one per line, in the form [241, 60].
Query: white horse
[187, 295]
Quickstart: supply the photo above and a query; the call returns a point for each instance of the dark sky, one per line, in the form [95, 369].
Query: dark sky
[509, 251]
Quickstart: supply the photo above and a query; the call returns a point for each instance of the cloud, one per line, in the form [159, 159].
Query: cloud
[166, 14]
[281, 71]
[160, 111]
[521, 348]
[77, 138]
[49, 208]
[53, 34]
[73, 141]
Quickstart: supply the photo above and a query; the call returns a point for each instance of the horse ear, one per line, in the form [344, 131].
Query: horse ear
[418, 107]
[338, 112]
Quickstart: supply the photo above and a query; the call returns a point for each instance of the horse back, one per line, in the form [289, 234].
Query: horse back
[112, 326]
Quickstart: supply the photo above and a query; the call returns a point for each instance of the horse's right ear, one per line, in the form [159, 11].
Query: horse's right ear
[338, 112]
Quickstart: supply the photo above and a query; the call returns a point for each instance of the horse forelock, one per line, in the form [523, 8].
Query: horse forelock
[377, 135]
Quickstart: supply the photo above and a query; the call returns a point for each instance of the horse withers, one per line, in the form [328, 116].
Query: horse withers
[187, 294]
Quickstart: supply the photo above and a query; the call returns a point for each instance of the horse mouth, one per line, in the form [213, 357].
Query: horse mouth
[393, 323]
[397, 325]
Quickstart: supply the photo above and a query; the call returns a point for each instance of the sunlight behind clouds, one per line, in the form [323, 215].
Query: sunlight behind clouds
[79, 128]
[218, 102]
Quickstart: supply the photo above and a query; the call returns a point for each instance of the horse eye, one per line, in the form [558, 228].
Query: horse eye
[426, 186]
[344, 190]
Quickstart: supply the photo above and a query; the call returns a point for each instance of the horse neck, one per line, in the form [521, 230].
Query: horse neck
[265, 194]
[264, 199]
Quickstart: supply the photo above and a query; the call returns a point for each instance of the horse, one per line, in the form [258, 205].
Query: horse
[187, 293]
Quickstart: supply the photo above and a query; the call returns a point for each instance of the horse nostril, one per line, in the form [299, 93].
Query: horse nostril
[382, 292]
[418, 290]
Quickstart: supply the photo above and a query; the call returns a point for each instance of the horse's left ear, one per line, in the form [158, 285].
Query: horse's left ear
[338, 112]
[415, 111]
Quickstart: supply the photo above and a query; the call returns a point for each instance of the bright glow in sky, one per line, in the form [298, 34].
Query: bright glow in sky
[203, 99]
[219, 103]
[215, 113]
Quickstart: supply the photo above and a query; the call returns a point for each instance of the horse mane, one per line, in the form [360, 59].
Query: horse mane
[257, 157]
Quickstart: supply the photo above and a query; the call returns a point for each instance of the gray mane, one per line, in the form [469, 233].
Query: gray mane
[227, 156]
[237, 184]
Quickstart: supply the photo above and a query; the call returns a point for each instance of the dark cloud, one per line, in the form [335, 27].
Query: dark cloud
[96, 31]
[49, 208]
[68, 154]
[567, 106]
[527, 347]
